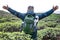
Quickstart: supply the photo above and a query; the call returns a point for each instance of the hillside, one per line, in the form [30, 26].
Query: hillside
[10, 27]
[5, 16]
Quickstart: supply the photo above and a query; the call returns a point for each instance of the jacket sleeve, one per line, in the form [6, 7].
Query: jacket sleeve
[19, 15]
[43, 15]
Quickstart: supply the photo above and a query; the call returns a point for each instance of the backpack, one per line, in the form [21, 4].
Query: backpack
[28, 26]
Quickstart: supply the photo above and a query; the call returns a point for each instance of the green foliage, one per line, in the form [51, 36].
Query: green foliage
[53, 31]
[23, 36]
[14, 36]
[10, 24]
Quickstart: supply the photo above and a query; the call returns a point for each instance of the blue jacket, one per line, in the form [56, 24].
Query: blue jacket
[22, 15]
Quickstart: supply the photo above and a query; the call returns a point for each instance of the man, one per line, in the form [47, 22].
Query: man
[31, 11]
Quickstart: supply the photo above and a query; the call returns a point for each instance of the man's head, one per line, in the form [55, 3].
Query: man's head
[30, 9]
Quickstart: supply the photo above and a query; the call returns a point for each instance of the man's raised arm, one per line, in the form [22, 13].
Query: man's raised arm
[19, 15]
[43, 15]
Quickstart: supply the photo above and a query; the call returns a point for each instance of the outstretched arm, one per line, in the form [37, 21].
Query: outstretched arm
[43, 15]
[19, 15]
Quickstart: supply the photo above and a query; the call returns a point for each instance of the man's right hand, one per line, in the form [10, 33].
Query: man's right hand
[5, 7]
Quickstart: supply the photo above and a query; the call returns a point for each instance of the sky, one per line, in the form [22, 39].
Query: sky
[39, 5]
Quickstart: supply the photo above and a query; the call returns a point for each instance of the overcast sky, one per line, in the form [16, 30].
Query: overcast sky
[39, 5]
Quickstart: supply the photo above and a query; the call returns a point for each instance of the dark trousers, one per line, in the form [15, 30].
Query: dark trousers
[34, 35]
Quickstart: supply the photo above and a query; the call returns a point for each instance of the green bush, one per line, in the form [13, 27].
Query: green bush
[53, 31]
[10, 26]
[14, 36]
[51, 24]
[23, 36]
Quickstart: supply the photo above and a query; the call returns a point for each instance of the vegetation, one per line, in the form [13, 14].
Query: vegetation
[10, 24]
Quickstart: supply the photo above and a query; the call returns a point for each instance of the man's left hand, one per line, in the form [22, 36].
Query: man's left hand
[55, 8]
